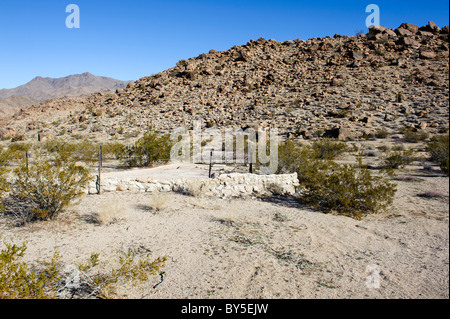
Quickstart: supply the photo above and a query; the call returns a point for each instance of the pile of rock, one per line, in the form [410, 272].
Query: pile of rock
[224, 186]
[346, 86]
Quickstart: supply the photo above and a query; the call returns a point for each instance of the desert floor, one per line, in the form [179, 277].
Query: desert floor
[259, 248]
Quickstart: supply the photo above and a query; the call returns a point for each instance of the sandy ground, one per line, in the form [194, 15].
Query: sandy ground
[260, 248]
[173, 171]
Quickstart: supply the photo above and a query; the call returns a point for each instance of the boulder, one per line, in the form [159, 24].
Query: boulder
[427, 54]
[261, 41]
[7, 133]
[425, 34]
[390, 33]
[374, 30]
[358, 56]
[431, 27]
[403, 32]
[409, 42]
[339, 133]
[410, 27]
[42, 137]
[242, 56]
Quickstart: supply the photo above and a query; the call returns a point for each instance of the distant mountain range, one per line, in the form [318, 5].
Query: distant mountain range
[41, 89]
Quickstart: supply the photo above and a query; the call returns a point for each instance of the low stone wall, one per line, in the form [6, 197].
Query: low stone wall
[226, 185]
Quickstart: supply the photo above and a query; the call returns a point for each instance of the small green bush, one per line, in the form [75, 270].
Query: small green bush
[398, 159]
[17, 150]
[412, 136]
[4, 187]
[289, 154]
[328, 149]
[17, 281]
[149, 150]
[114, 150]
[49, 184]
[438, 148]
[350, 190]
[381, 133]
[83, 151]
[130, 269]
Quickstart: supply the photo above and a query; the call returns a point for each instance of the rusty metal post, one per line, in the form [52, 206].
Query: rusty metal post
[100, 164]
[210, 162]
[26, 160]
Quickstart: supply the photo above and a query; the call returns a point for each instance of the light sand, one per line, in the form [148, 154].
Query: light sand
[260, 249]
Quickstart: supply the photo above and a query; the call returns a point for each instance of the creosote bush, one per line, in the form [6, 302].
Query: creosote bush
[328, 149]
[438, 148]
[410, 135]
[381, 133]
[399, 159]
[4, 187]
[84, 151]
[350, 190]
[149, 150]
[19, 281]
[49, 184]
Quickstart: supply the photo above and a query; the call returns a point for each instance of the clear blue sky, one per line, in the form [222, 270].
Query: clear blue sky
[131, 39]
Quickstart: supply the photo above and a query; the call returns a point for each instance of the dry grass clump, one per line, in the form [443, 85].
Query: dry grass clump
[276, 189]
[159, 201]
[196, 188]
[110, 213]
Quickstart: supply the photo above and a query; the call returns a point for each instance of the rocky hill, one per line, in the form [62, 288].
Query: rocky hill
[14, 103]
[386, 79]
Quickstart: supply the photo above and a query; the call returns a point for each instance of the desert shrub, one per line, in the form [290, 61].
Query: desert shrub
[49, 184]
[398, 159]
[328, 149]
[195, 188]
[410, 135]
[114, 150]
[4, 187]
[438, 148]
[381, 133]
[159, 201]
[292, 157]
[83, 151]
[349, 190]
[149, 150]
[276, 189]
[19, 147]
[131, 269]
[17, 150]
[17, 281]
[110, 213]
[431, 195]
[288, 156]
